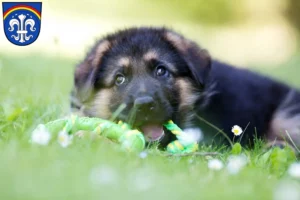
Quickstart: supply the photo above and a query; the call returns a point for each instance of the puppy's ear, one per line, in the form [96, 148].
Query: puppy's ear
[198, 60]
[85, 72]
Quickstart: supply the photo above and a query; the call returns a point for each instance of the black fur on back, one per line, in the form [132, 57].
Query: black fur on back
[240, 97]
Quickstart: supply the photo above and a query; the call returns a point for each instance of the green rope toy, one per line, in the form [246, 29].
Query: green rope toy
[122, 133]
[178, 146]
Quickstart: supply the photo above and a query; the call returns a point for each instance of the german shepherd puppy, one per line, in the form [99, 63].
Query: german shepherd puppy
[146, 76]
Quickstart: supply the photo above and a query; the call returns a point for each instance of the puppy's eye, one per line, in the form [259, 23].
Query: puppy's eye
[161, 71]
[120, 79]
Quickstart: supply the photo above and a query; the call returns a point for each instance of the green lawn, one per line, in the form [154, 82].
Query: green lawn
[34, 89]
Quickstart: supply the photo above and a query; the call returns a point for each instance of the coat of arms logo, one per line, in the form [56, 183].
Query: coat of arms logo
[22, 21]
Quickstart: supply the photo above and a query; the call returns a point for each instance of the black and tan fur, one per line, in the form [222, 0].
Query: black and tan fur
[196, 86]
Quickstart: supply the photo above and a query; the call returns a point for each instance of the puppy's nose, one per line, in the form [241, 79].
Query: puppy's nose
[144, 104]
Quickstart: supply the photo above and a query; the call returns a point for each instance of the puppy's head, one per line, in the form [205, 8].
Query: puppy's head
[143, 76]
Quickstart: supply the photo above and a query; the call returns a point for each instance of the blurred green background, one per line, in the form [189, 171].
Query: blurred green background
[243, 32]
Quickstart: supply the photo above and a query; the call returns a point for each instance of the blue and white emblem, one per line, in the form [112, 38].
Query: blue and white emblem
[22, 21]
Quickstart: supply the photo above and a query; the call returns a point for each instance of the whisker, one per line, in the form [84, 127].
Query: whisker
[132, 116]
[118, 111]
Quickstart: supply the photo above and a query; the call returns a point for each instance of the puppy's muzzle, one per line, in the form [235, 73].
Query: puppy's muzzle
[144, 104]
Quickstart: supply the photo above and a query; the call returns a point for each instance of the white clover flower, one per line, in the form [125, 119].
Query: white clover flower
[237, 130]
[64, 139]
[294, 170]
[143, 154]
[41, 135]
[142, 180]
[104, 175]
[236, 163]
[215, 164]
[190, 136]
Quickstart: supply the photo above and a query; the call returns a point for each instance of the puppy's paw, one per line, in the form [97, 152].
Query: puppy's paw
[280, 144]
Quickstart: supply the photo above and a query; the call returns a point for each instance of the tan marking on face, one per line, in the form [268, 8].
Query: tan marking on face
[186, 95]
[101, 104]
[101, 49]
[124, 62]
[187, 98]
[121, 62]
[150, 55]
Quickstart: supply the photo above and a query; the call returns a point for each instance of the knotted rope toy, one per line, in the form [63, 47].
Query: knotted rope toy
[122, 133]
[181, 145]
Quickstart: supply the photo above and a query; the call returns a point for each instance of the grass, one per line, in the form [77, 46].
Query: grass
[35, 89]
